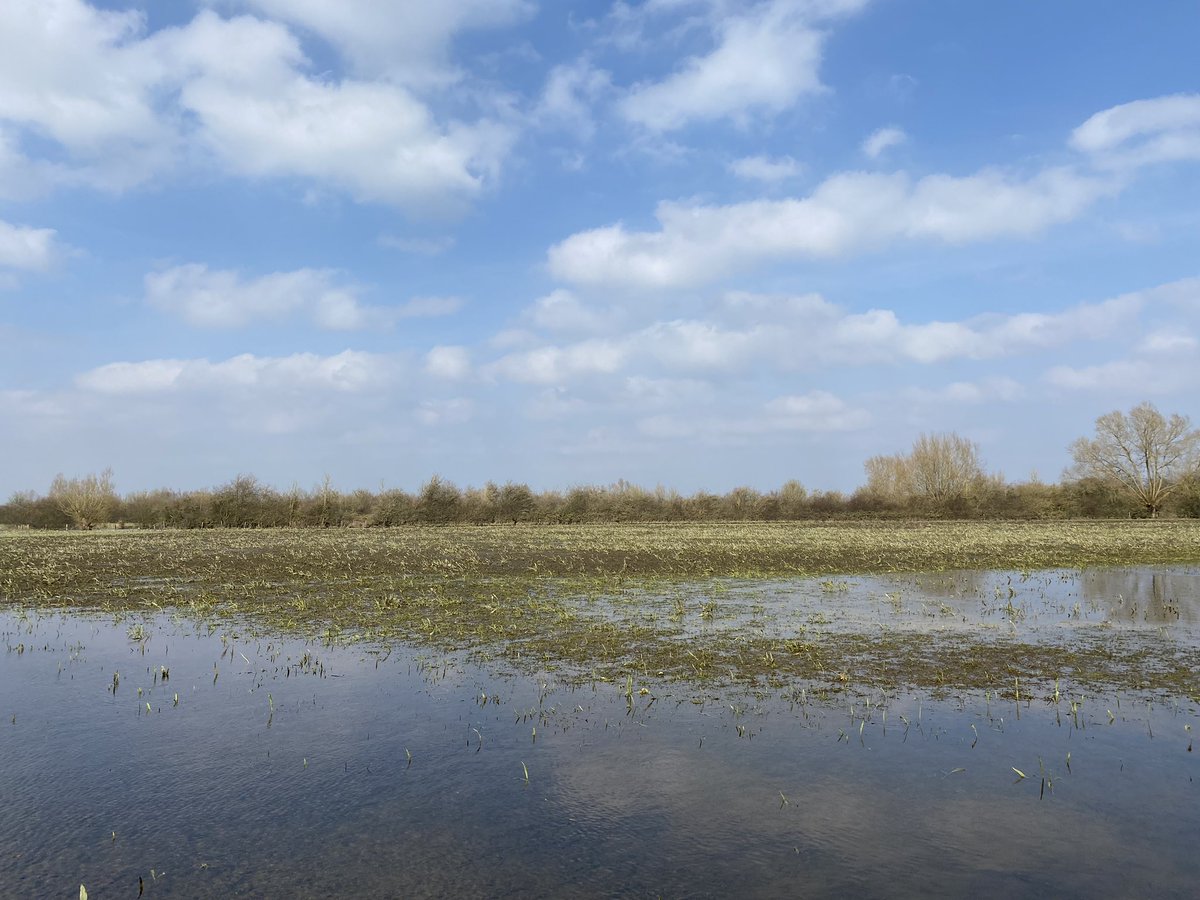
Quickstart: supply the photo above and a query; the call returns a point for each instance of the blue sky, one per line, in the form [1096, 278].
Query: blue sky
[689, 242]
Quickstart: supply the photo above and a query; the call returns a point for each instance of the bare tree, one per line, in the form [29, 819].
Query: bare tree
[889, 477]
[945, 466]
[85, 501]
[940, 468]
[1143, 452]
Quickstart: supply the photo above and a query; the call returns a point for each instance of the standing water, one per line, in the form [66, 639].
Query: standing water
[185, 759]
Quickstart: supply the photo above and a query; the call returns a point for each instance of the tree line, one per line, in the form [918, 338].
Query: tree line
[1137, 464]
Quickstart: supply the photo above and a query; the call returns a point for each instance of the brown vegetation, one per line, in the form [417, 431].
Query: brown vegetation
[245, 502]
[1140, 464]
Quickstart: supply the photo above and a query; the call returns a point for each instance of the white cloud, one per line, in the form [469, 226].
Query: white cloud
[986, 390]
[857, 211]
[28, 405]
[570, 95]
[786, 334]
[1167, 343]
[1161, 129]
[403, 40]
[554, 365]
[699, 345]
[376, 142]
[224, 299]
[812, 412]
[883, 140]
[765, 168]
[262, 117]
[849, 212]
[1121, 376]
[764, 60]
[1161, 361]
[454, 411]
[554, 403]
[83, 78]
[1184, 294]
[816, 331]
[815, 411]
[124, 106]
[642, 392]
[451, 363]
[561, 310]
[347, 372]
[22, 247]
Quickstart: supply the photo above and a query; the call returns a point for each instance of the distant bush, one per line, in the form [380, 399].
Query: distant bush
[245, 502]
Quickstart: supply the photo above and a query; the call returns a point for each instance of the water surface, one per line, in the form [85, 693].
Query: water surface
[271, 766]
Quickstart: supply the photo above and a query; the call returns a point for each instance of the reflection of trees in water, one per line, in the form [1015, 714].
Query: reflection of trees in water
[1141, 596]
[1145, 596]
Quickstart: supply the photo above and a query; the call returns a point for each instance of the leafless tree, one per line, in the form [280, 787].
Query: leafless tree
[889, 477]
[940, 468]
[86, 501]
[1143, 452]
[945, 466]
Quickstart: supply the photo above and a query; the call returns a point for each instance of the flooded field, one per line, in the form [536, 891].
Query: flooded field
[195, 750]
[756, 605]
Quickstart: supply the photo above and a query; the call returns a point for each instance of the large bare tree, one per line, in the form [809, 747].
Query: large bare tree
[940, 468]
[1143, 452]
[85, 501]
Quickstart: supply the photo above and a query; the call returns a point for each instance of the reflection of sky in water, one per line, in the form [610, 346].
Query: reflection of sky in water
[681, 798]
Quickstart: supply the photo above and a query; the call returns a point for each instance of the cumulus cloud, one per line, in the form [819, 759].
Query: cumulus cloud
[1120, 376]
[346, 372]
[22, 247]
[812, 412]
[765, 168]
[1168, 342]
[852, 212]
[1161, 129]
[784, 334]
[30, 405]
[224, 299]
[1163, 360]
[403, 40]
[986, 390]
[883, 140]
[849, 212]
[764, 60]
[553, 365]
[84, 78]
[570, 95]
[1183, 294]
[263, 117]
[561, 310]
[451, 363]
[122, 105]
[807, 333]
[454, 411]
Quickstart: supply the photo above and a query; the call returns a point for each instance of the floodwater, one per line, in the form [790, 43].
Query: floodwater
[268, 766]
[1047, 606]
